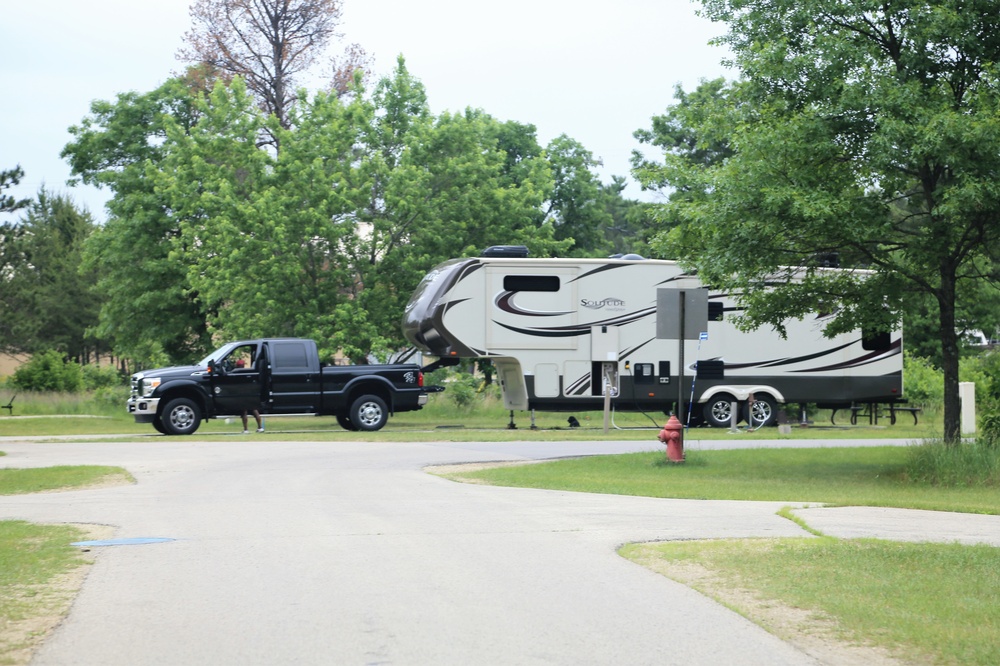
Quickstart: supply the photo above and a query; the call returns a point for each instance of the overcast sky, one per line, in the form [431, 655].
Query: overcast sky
[596, 71]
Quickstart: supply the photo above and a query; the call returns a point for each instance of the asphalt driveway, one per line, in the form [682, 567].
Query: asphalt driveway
[349, 553]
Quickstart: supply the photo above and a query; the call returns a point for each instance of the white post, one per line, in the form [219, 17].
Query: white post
[734, 416]
[967, 395]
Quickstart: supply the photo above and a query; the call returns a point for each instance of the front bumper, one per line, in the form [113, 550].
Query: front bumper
[143, 409]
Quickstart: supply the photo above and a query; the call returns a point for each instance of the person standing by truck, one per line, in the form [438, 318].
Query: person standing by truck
[241, 365]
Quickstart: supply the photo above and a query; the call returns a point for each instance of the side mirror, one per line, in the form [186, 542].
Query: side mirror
[216, 368]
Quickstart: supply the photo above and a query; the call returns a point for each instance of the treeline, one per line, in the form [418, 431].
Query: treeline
[226, 224]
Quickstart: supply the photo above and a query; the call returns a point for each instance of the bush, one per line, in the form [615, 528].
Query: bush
[100, 377]
[923, 382]
[48, 371]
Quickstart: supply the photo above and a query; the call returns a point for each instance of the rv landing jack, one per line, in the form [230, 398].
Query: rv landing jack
[513, 426]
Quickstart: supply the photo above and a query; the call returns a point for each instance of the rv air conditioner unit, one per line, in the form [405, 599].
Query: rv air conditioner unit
[506, 252]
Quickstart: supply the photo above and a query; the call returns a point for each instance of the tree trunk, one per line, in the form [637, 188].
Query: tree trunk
[949, 360]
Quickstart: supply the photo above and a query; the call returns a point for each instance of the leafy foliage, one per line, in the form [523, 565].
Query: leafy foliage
[9, 178]
[46, 300]
[48, 371]
[864, 132]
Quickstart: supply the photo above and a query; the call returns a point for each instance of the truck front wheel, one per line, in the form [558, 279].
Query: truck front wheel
[181, 417]
[369, 412]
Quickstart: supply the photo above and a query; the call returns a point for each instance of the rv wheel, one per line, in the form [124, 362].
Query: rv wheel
[763, 412]
[718, 411]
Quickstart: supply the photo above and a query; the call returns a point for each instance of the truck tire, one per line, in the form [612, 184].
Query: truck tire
[369, 413]
[763, 411]
[181, 417]
[345, 422]
[158, 426]
[718, 410]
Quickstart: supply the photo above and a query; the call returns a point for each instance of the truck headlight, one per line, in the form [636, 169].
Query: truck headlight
[148, 385]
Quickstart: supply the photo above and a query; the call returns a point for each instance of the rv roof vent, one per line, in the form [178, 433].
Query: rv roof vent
[506, 251]
[629, 257]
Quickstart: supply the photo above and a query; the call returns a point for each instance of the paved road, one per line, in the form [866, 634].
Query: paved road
[348, 553]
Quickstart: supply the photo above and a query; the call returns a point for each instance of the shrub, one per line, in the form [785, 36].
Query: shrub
[100, 377]
[924, 384]
[48, 371]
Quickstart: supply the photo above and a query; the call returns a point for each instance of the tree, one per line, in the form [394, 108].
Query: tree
[867, 131]
[9, 178]
[576, 207]
[46, 302]
[149, 311]
[270, 43]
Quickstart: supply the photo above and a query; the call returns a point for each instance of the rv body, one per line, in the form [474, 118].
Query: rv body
[562, 331]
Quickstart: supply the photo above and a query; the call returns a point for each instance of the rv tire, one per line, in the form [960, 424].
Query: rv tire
[763, 410]
[718, 411]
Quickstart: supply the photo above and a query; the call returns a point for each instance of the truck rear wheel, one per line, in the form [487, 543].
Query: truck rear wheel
[180, 417]
[369, 412]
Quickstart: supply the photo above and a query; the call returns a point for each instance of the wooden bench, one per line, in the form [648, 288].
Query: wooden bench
[9, 406]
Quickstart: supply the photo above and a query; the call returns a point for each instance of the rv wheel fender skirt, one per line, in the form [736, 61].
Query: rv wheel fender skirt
[369, 412]
[763, 411]
[180, 417]
[718, 410]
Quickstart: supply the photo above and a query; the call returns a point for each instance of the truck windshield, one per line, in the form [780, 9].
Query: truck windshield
[217, 354]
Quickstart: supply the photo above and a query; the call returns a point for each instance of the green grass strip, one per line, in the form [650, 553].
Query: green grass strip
[937, 600]
[65, 477]
[861, 476]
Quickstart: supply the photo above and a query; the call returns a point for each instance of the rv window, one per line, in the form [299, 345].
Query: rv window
[873, 341]
[531, 282]
[715, 310]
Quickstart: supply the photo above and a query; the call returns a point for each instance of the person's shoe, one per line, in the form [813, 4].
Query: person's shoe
[260, 430]
[246, 432]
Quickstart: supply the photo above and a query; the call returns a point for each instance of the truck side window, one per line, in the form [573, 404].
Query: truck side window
[290, 355]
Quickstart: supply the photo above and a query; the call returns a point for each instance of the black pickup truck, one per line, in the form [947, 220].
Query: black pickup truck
[275, 376]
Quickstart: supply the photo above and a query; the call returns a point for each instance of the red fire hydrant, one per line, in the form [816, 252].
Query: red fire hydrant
[673, 436]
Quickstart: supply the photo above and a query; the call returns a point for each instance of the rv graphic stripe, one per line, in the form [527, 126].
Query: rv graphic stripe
[578, 329]
[504, 301]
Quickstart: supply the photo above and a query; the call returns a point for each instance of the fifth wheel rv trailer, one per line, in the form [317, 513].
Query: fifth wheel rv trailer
[560, 331]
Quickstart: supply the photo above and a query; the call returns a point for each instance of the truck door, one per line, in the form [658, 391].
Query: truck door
[294, 385]
[236, 385]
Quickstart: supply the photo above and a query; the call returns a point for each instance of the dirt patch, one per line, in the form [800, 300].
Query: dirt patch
[816, 634]
[49, 605]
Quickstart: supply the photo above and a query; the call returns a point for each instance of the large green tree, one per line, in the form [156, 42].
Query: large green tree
[46, 300]
[149, 311]
[867, 130]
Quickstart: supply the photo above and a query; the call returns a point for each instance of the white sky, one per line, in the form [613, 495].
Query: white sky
[596, 71]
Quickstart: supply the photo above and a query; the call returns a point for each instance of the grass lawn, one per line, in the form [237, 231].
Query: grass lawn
[862, 476]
